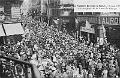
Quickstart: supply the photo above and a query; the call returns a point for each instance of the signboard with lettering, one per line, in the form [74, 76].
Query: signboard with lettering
[96, 5]
[15, 11]
[89, 30]
[110, 20]
[91, 19]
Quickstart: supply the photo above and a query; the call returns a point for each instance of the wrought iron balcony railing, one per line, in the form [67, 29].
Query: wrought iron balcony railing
[13, 68]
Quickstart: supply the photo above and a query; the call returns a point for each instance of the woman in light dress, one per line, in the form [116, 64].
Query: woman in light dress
[75, 72]
[104, 73]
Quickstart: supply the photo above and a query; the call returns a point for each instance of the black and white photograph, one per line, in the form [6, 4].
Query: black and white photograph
[59, 38]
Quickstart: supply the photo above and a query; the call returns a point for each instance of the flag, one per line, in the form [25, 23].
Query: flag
[55, 21]
[104, 34]
[76, 21]
[88, 25]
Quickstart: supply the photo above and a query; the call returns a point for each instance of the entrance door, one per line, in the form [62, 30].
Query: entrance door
[92, 38]
[84, 35]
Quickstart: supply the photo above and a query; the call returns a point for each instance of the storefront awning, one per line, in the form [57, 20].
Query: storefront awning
[13, 29]
[88, 28]
[1, 31]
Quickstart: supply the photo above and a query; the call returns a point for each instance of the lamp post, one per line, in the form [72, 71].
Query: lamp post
[48, 11]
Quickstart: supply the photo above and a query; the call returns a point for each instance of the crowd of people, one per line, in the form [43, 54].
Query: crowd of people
[59, 55]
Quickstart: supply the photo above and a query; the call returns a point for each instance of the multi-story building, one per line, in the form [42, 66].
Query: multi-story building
[109, 20]
[63, 11]
[11, 8]
[50, 9]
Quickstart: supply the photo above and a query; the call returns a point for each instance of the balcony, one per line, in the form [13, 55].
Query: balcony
[13, 68]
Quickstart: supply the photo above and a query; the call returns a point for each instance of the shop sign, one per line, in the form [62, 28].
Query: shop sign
[2, 17]
[89, 30]
[96, 5]
[16, 12]
[91, 19]
[109, 20]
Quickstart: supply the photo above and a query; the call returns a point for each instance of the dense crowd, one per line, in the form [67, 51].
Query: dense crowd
[59, 55]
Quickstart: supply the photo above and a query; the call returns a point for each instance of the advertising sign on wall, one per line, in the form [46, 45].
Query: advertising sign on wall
[15, 11]
[109, 20]
[96, 5]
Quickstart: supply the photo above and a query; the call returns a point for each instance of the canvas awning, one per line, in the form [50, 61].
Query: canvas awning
[88, 28]
[13, 29]
[1, 31]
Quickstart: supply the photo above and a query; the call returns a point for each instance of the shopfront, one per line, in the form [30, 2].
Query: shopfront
[88, 32]
[10, 33]
[87, 26]
[112, 27]
[66, 23]
[106, 27]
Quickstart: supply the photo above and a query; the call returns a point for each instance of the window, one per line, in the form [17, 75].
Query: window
[88, 13]
[96, 13]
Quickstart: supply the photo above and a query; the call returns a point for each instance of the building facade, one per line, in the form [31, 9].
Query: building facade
[11, 8]
[110, 21]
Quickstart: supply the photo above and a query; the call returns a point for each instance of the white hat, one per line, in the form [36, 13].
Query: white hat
[34, 56]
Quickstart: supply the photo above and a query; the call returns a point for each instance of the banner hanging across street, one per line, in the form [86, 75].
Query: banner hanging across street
[96, 5]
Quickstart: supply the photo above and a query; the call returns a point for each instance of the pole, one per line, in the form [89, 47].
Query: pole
[88, 34]
[76, 29]
[80, 32]
[5, 34]
[48, 12]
